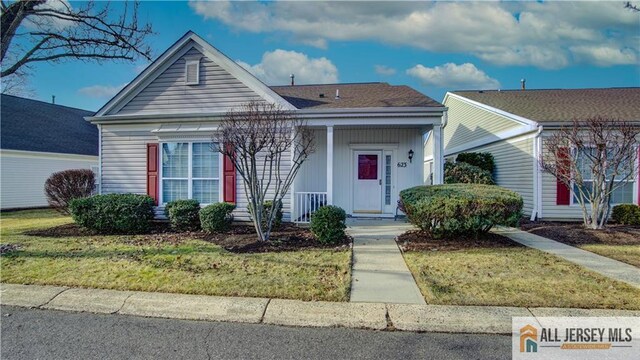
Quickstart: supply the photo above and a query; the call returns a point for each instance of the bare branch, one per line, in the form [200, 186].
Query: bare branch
[267, 146]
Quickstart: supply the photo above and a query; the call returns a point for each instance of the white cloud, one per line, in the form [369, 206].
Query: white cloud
[384, 70]
[542, 34]
[56, 22]
[605, 55]
[450, 75]
[101, 91]
[276, 66]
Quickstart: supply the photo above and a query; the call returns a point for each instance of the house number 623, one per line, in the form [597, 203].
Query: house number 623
[402, 164]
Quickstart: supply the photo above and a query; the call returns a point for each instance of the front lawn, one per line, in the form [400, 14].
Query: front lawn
[620, 242]
[165, 263]
[496, 271]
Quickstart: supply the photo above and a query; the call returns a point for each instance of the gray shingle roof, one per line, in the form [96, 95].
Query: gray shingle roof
[560, 105]
[33, 125]
[356, 95]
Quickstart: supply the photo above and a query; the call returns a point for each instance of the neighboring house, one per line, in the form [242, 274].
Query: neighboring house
[512, 125]
[38, 139]
[156, 135]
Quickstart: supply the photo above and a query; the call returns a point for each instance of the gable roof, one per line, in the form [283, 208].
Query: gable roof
[562, 105]
[173, 53]
[355, 95]
[32, 125]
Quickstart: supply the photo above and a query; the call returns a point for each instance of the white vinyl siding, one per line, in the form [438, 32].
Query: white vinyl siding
[467, 122]
[24, 173]
[514, 167]
[216, 91]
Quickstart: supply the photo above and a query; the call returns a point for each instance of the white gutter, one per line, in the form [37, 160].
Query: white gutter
[537, 176]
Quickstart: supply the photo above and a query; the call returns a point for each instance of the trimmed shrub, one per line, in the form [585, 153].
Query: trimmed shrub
[483, 160]
[328, 224]
[64, 186]
[627, 214]
[452, 210]
[216, 217]
[184, 215]
[114, 213]
[463, 173]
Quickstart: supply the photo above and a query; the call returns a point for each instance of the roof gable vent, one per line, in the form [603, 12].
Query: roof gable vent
[192, 72]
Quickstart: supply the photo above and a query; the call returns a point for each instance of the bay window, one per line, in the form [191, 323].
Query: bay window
[190, 170]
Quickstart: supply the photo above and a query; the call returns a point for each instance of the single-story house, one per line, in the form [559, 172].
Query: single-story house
[513, 125]
[156, 134]
[38, 139]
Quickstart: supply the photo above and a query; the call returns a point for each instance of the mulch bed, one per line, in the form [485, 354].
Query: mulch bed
[416, 240]
[238, 239]
[576, 234]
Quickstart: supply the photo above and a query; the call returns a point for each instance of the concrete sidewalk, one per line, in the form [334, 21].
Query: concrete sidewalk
[379, 273]
[376, 316]
[613, 269]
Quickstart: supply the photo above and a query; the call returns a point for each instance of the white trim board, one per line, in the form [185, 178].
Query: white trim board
[48, 155]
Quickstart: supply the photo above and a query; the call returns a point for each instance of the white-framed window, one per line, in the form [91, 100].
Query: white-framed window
[192, 72]
[624, 194]
[190, 170]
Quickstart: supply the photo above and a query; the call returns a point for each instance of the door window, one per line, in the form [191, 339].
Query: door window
[367, 167]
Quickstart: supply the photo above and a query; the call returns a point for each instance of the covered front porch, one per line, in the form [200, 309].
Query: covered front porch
[363, 167]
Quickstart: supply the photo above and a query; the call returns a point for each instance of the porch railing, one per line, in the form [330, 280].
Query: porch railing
[306, 203]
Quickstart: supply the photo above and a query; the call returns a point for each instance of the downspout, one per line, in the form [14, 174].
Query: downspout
[99, 159]
[537, 176]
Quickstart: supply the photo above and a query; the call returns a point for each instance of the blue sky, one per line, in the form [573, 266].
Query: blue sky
[431, 47]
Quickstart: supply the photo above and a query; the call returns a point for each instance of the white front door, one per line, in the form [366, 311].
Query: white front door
[367, 186]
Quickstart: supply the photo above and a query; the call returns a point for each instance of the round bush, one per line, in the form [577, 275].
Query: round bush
[626, 214]
[114, 213]
[216, 217]
[461, 210]
[463, 173]
[63, 186]
[183, 214]
[482, 160]
[328, 224]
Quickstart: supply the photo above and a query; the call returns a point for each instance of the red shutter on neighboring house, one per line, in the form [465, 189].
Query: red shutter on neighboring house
[229, 181]
[563, 193]
[152, 171]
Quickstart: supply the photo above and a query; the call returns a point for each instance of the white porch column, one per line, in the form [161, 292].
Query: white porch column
[329, 165]
[438, 153]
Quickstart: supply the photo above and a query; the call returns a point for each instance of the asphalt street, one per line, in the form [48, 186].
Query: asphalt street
[48, 334]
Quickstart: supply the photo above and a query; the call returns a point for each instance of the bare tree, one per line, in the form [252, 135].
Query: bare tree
[630, 6]
[267, 146]
[52, 30]
[594, 157]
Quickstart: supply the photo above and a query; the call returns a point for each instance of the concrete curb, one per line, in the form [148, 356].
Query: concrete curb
[375, 316]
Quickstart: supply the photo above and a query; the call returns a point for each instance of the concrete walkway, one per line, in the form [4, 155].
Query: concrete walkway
[603, 265]
[376, 316]
[379, 272]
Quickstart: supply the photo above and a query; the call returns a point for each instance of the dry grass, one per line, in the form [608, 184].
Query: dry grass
[514, 277]
[192, 267]
[629, 254]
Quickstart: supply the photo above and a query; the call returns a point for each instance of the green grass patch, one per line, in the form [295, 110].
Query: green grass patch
[514, 277]
[190, 267]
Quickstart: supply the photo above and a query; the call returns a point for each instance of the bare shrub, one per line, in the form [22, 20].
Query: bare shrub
[63, 186]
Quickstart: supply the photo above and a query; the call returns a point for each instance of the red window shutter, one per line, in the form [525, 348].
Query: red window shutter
[152, 171]
[563, 193]
[229, 181]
